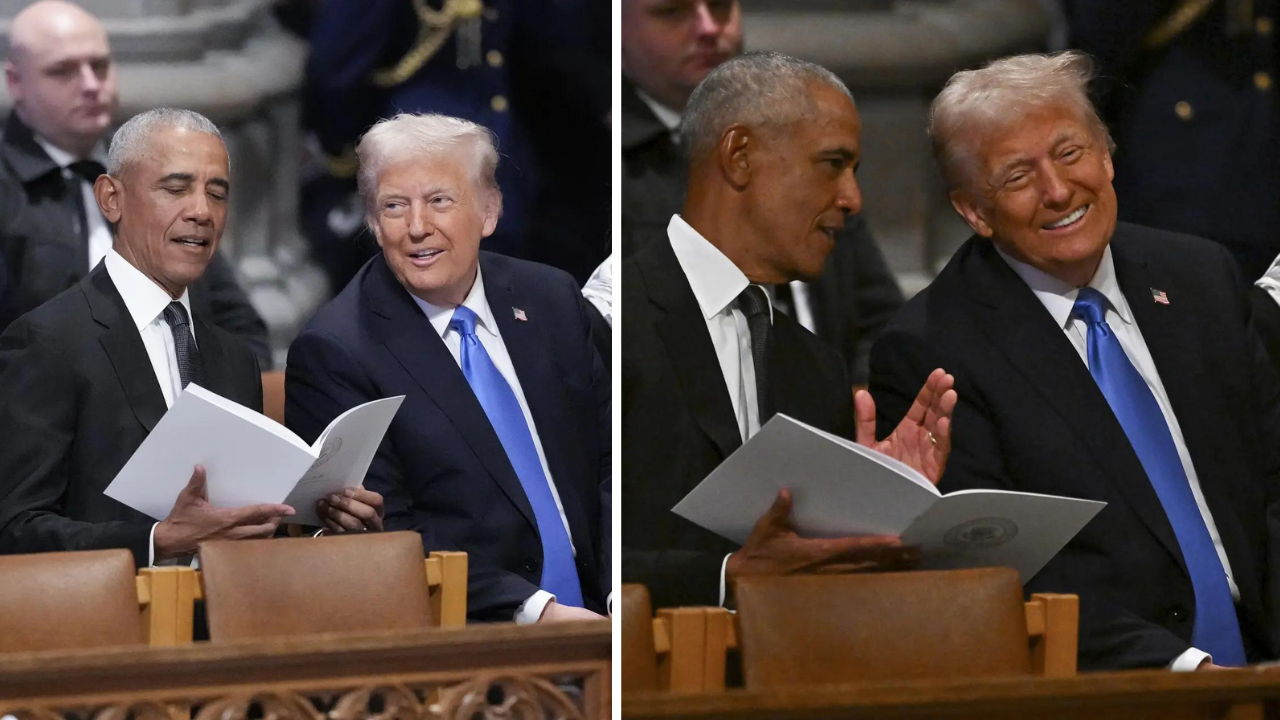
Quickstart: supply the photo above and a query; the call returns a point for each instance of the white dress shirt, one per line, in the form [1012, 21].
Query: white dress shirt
[716, 284]
[599, 289]
[99, 232]
[1270, 280]
[1059, 298]
[490, 336]
[146, 302]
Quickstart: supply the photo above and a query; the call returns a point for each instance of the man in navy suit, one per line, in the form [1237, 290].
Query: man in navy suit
[501, 447]
[1101, 360]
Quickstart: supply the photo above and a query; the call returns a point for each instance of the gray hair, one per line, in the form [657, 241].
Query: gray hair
[130, 139]
[757, 89]
[409, 135]
[977, 103]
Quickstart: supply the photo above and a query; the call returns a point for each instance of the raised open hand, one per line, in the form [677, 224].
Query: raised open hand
[923, 438]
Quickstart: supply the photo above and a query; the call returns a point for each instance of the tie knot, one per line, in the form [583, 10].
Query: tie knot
[1091, 306]
[176, 315]
[753, 302]
[463, 321]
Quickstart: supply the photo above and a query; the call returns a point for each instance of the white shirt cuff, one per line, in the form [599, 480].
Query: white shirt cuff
[151, 547]
[1189, 660]
[724, 568]
[531, 610]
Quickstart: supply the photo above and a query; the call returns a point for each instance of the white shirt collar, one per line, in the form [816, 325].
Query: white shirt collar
[475, 302]
[1059, 297]
[62, 157]
[715, 280]
[669, 118]
[144, 299]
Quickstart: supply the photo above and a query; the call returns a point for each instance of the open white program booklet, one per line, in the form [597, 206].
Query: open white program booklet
[840, 488]
[249, 458]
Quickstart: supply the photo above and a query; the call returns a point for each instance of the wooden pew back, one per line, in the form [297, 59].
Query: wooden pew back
[691, 644]
[68, 600]
[167, 597]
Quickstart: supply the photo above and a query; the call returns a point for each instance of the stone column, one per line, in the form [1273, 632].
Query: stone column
[228, 60]
[895, 55]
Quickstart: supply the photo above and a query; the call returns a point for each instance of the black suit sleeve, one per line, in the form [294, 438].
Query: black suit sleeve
[40, 406]
[600, 381]
[323, 381]
[226, 305]
[1108, 632]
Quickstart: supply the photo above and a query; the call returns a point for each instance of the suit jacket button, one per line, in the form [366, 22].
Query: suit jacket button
[530, 565]
[1177, 613]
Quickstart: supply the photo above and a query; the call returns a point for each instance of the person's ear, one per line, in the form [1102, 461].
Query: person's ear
[973, 211]
[109, 194]
[492, 211]
[735, 152]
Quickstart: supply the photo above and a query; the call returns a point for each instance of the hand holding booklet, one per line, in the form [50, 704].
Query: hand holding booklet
[840, 488]
[249, 459]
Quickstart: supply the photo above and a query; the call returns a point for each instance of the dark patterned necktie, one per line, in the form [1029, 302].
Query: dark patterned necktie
[755, 305]
[190, 368]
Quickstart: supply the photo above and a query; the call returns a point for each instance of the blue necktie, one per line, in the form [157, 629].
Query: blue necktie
[559, 574]
[1216, 631]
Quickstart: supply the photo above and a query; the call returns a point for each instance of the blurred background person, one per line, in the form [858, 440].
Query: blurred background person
[62, 78]
[534, 71]
[668, 47]
[1188, 94]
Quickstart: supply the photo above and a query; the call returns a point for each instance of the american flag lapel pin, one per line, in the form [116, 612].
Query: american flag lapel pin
[1159, 296]
[519, 314]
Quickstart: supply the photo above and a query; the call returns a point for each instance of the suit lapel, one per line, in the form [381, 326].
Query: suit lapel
[411, 339]
[213, 355]
[124, 348]
[532, 353]
[1017, 324]
[688, 345]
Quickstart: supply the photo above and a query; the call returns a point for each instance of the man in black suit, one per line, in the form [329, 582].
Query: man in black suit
[705, 360]
[85, 377]
[63, 82]
[1099, 360]
[502, 445]
[667, 49]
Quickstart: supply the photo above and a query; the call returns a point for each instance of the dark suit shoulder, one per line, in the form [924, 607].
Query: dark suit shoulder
[1173, 247]
[62, 318]
[527, 271]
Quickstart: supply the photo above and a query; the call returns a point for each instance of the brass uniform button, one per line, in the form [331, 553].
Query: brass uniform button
[1263, 25]
[1262, 81]
[499, 104]
[1184, 110]
[494, 58]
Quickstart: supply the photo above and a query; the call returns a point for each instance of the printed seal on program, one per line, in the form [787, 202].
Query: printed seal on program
[331, 448]
[983, 532]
